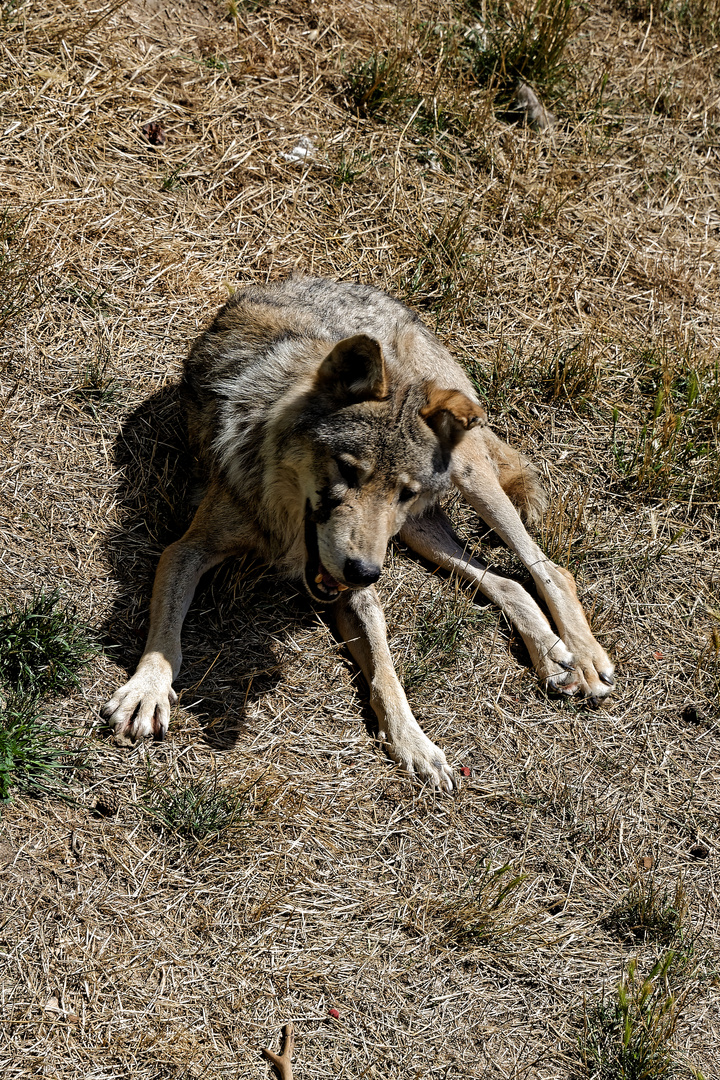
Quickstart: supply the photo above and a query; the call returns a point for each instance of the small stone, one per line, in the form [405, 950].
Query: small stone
[537, 116]
[108, 802]
[154, 134]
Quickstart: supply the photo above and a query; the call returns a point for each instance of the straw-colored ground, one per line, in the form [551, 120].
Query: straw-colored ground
[576, 273]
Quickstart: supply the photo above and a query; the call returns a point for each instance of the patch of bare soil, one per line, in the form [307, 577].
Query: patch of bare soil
[170, 24]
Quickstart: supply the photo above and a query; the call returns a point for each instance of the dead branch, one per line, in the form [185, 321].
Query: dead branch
[282, 1061]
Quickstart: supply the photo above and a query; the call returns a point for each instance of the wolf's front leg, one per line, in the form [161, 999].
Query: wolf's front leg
[142, 706]
[590, 671]
[362, 624]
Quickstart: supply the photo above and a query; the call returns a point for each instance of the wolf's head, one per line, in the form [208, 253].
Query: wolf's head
[368, 451]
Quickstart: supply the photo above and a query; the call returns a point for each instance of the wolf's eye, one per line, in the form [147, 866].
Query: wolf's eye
[406, 494]
[348, 472]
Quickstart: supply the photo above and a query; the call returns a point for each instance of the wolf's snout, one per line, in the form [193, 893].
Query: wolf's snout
[359, 572]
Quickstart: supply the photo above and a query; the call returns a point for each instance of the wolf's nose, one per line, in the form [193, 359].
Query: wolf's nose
[359, 572]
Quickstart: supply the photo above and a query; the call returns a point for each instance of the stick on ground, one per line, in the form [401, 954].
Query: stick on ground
[282, 1061]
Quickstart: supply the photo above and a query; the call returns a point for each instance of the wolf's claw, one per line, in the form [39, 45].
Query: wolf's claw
[140, 708]
[562, 684]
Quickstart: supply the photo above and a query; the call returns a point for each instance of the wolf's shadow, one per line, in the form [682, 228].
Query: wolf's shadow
[240, 612]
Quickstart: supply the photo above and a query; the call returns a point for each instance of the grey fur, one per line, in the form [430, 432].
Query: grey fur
[246, 373]
[326, 418]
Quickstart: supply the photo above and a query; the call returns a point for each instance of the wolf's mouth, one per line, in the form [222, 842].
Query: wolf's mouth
[319, 582]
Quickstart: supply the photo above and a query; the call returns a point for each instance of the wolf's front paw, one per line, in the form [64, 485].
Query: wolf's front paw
[139, 708]
[420, 757]
[590, 675]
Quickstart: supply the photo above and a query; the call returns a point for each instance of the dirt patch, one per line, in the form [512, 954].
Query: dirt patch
[171, 24]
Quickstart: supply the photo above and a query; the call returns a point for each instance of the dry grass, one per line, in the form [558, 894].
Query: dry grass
[576, 275]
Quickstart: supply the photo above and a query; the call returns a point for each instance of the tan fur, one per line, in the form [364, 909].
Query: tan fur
[327, 419]
[519, 479]
[467, 413]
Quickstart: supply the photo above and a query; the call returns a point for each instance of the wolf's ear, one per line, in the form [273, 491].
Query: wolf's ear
[450, 413]
[354, 371]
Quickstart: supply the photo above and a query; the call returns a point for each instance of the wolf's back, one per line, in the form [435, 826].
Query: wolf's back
[254, 347]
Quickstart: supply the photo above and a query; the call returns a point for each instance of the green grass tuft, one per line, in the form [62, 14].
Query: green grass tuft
[696, 20]
[197, 810]
[676, 451]
[43, 646]
[649, 912]
[446, 274]
[441, 629]
[523, 41]
[381, 85]
[33, 758]
[174, 178]
[93, 298]
[555, 372]
[483, 912]
[629, 1037]
[350, 166]
[97, 386]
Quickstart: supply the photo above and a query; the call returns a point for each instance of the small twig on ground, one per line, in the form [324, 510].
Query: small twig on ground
[282, 1061]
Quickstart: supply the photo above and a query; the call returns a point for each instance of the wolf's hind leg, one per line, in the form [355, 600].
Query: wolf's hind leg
[519, 478]
[592, 670]
[433, 537]
[361, 622]
[142, 706]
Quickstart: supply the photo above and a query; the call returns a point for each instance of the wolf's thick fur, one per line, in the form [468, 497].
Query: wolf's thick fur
[326, 418]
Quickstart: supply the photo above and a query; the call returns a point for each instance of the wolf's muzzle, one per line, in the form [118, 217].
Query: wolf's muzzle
[362, 573]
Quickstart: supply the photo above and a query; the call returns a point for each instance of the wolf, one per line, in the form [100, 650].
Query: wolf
[325, 419]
